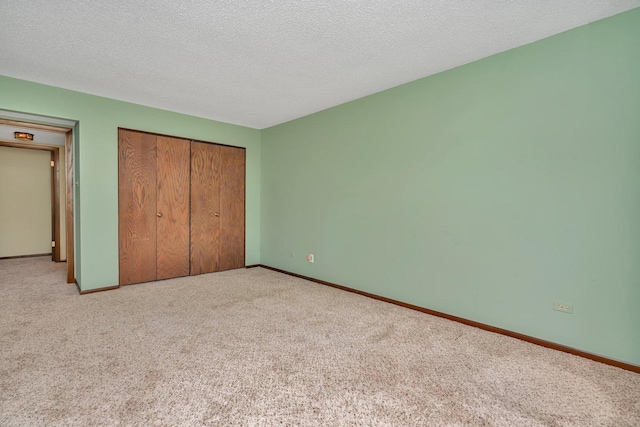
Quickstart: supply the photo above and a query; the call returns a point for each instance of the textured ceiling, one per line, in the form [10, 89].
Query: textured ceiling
[259, 63]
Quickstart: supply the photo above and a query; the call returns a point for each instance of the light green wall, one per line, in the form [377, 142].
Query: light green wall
[487, 191]
[25, 202]
[97, 151]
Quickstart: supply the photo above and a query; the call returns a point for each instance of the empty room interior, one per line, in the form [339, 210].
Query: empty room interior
[320, 213]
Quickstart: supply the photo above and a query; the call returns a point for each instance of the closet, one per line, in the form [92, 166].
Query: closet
[180, 207]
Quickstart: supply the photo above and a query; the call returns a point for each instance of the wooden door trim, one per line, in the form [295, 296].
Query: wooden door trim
[55, 189]
[55, 203]
[28, 146]
[68, 158]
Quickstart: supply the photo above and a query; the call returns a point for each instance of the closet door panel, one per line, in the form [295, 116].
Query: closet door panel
[232, 208]
[136, 207]
[172, 217]
[205, 207]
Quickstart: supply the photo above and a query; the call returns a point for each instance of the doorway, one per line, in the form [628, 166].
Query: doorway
[58, 141]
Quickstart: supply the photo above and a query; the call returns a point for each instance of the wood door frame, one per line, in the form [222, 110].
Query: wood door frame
[68, 158]
[55, 152]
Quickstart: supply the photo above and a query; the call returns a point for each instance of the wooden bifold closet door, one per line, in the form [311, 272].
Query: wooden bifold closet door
[180, 207]
[137, 207]
[172, 217]
[217, 207]
[153, 203]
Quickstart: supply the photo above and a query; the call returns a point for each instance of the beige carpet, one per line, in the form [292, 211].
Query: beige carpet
[258, 348]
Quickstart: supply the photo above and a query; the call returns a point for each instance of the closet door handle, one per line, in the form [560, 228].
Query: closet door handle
[217, 214]
[159, 215]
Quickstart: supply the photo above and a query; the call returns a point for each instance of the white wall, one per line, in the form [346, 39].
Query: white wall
[25, 202]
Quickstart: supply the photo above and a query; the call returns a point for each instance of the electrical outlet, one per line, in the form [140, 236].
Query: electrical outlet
[310, 258]
[563, 307]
